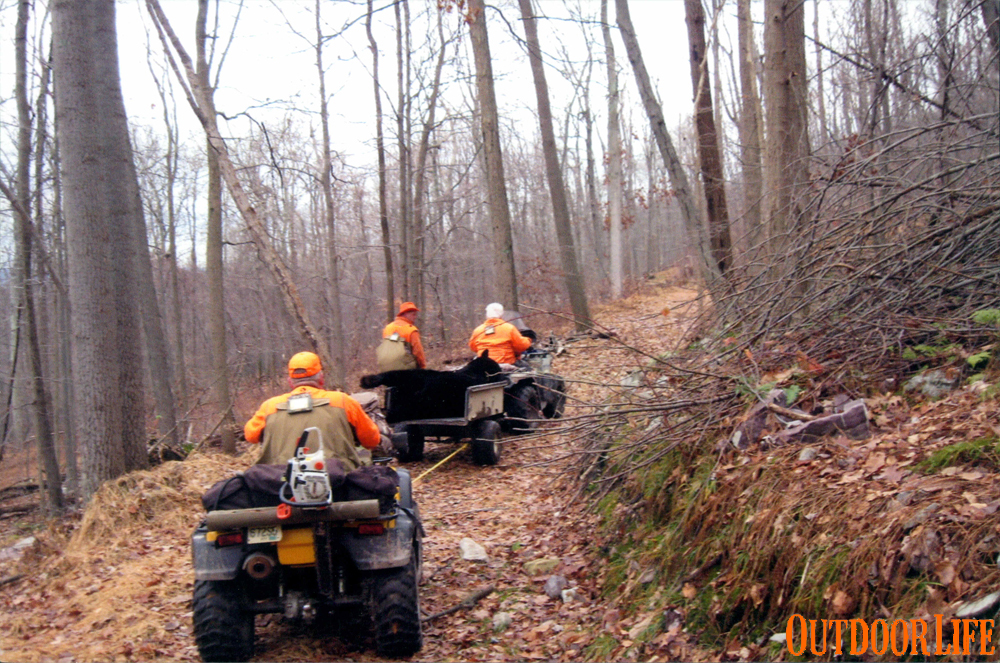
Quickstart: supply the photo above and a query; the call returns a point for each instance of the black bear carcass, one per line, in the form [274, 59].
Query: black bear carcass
[427, 394]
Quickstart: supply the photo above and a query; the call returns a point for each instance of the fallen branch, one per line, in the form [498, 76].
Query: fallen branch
[20, 508]
[791, 414]
[467, 602]
[7, 581]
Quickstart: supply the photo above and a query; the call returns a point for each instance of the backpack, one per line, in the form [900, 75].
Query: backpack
[394, 354]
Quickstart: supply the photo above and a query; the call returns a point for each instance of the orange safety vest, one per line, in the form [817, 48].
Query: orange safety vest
[502, 339]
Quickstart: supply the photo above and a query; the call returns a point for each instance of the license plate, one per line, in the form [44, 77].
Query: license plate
[270, 534]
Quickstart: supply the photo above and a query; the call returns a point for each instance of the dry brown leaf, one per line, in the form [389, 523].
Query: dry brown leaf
[689, 591]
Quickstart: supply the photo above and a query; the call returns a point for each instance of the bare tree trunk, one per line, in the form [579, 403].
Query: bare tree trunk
[23, 268]
[991, 19]
[405, 224]
[67, 413]
[383, 212]
[678, 178]
[419, 191]
[786, 172]
[337, 349]
[750, 124]
[496, 187]
[708, 140]
[614, 158]
[101, 192]
[213, 246]
[824, 134]
[557, 188]
[172, 160]
[197, 98]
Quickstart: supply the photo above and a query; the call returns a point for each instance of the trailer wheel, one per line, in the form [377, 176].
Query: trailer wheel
[397, 611]
[414, 444]
[223, 630]
[486, 443]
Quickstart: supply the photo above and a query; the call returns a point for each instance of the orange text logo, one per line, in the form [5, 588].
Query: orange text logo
[902, 636]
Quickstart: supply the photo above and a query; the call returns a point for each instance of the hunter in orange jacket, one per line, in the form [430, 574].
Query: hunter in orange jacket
[341, 420]
[502, 339]
[405, 329]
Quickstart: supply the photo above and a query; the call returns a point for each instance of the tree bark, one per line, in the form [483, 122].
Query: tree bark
[420, 186]
[708, 139]
[41, 407]
[614, 158]
[678, 178]
[383, 213]
[991, 19]
[553, 172]
[337, 348]
[213, 245]
[100, 192]
[750, 125]
[407, 237]
[496, 187]
[787, 151]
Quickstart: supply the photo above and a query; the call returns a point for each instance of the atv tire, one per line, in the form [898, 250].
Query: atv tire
[486, 442]
[397, 612]
[414, 444]
[223, 629]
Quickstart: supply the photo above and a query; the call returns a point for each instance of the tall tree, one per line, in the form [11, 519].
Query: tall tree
[213, 243]
[403, 144]
[197, 98]
[786, 169]
[383, 204]
[709, 157]
[420, 186]
[496, 187]
[614, 157]
[100, 193]
[24, 235]
[337, 348]
[750, 123]
[678, 178]
[171, 167]
[553, 173]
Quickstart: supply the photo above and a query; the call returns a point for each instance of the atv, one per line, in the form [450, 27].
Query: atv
[351, 566]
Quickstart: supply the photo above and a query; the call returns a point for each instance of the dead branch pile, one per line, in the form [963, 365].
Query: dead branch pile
[898, 245]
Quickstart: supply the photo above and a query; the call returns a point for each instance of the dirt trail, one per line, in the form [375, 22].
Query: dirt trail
[120, 588]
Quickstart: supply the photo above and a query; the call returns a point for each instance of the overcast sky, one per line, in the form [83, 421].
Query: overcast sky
[267, 63]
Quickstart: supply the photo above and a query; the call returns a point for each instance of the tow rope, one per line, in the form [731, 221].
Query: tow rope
[447, 458]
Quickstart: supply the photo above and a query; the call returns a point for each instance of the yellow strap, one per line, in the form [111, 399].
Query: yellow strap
[450, 456]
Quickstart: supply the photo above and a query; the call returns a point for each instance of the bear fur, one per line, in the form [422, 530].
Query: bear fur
[423, 393]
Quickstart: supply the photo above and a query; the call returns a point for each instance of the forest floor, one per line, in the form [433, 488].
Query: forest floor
[114, 583]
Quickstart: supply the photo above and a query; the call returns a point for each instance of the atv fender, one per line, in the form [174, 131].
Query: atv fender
[390, 550]
[212, 562]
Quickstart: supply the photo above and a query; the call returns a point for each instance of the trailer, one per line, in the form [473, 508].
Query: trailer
[484, 408]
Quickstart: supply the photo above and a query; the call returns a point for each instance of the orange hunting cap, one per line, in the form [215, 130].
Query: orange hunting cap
[304, 365]
[406, 307]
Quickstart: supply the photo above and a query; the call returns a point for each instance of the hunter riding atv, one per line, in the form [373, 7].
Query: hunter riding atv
[341, 550]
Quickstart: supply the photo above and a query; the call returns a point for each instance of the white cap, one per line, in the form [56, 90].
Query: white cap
[494, 310]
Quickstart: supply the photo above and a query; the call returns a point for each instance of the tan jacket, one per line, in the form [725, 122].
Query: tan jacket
[340, 419]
